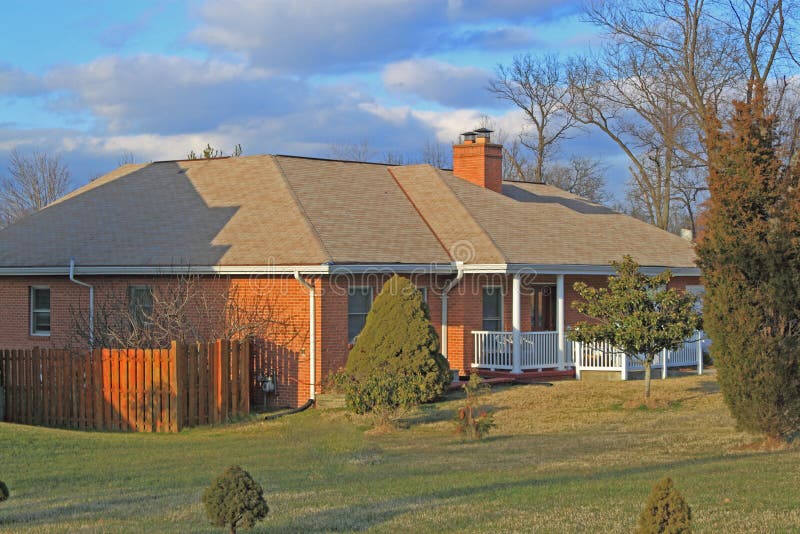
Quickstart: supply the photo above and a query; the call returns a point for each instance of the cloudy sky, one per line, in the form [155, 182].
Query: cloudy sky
[94, 80]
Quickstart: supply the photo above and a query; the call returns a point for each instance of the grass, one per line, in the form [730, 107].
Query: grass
[567, 458]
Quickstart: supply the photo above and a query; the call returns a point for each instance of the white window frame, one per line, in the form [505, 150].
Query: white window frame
[502, 304]
[131, 310]
[34, 311]
[371, 300]
[424, 291]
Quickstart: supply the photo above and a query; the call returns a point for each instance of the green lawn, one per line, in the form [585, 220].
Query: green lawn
[572, 457]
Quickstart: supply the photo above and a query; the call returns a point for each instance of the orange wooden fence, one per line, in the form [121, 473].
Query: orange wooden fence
[140, 390]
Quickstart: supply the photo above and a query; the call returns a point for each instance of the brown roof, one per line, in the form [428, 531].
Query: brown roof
[283, 210]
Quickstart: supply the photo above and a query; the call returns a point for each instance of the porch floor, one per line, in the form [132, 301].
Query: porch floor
[526, 377]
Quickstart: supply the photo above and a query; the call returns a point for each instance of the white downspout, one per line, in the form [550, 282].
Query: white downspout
[91, 299]
[312, 334]
[450, 285]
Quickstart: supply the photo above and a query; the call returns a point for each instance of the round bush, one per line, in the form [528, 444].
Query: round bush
[4, 493]
[666, 511]
[235, 500]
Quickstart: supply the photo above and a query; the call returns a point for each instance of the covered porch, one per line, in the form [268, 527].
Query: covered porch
[517, 351]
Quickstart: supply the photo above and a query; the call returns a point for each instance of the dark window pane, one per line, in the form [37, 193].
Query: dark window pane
[41, 299]
[492, 308]
[41, 322]
[355, 323]
[359, 300]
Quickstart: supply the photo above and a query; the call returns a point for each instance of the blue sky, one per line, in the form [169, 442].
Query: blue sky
[95, 80]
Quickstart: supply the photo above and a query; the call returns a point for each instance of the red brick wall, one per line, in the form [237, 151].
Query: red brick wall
[286, 349]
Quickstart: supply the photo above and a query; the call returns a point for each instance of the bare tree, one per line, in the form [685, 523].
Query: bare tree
[582, 176]
[210, 152]
[437, 155]
[185, 308]
[32, 183]
[352, 151]
[537, 86]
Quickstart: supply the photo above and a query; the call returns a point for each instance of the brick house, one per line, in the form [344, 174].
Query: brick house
[496, 260]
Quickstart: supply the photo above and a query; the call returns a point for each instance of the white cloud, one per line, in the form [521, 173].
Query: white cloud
[316, 36]
[439, 82]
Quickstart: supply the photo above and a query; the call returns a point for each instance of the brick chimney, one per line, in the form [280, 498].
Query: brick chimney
[479, 161]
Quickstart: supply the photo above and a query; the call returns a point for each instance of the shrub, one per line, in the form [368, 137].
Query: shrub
[666, 511]
[470, 419]
[235, 500]
[395, 362]
[749, 252]
[4, 493]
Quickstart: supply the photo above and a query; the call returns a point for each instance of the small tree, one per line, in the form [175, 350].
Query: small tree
[470, 419]
[395, 362]
[666, 511]
[4, 493]
[636, 313]
[235, 500]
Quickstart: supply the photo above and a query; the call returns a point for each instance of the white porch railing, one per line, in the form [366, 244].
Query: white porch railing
[539, 350]
[494, 350]
[605, 357]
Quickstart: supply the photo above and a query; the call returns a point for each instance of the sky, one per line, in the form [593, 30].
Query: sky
[104, 82]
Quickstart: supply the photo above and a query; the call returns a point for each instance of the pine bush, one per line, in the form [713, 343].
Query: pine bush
[235, 500]
[666, 511]
[4, 493]
[395, 363]
[471, 419]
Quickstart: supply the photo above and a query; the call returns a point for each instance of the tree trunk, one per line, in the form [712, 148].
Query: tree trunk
[647, 363]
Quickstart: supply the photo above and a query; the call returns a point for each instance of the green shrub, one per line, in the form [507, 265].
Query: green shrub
[235, 500]
[666, 511]
[470, 419]
[4, 493]
[395, 362]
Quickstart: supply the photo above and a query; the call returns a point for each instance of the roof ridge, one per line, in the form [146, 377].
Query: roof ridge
[302, 208]
[469, 213]
[421, 216]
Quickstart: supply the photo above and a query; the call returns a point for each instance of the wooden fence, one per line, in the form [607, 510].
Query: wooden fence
[139, 390]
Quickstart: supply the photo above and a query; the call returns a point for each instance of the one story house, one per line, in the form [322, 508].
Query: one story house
[496, 260]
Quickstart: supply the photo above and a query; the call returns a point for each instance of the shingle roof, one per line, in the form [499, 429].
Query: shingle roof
[283, 210]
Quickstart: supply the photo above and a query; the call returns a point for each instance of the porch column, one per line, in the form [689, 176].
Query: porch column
[516, 325]
[560, 321]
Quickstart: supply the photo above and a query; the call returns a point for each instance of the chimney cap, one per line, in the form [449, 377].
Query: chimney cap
[469, 137]
[484, 133]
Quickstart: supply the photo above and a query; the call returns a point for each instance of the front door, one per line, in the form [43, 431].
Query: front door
[543, 308]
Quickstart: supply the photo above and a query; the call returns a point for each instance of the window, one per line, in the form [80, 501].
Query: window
[543, 308]
[359, 302]
[140, 301]
[40, 311]
[493, 309]
[699, 292]
[424, 291]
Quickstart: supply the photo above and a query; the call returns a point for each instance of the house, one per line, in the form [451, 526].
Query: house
[496, 260]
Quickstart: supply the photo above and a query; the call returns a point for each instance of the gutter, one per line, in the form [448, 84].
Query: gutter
[312, 334]
[91, 299]
[344, 269]
[450, 285]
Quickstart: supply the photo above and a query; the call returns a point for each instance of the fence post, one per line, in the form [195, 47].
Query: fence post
[577, 357]
[624, 367]
[699, 353]
[664, 354]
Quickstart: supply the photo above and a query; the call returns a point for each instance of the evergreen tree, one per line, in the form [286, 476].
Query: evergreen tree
[749, 252]
[666, 511]
[395, 362]
[636, 313]
[235, 500]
